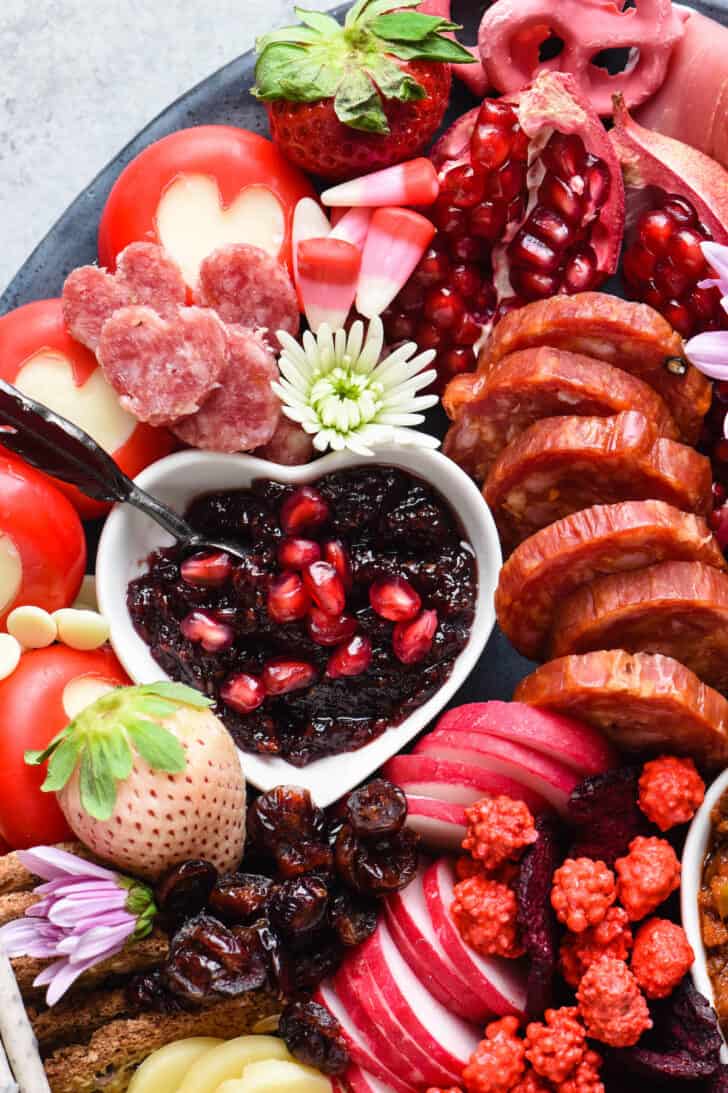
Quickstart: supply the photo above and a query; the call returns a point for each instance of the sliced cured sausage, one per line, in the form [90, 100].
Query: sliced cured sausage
[643, 702]
[594, 542]
[289, 445]
[243, 412]
[676, 608]
[534, 384]
[163, 369]
[564, 464]
[145, 275]
[248, 287]
[629, 335]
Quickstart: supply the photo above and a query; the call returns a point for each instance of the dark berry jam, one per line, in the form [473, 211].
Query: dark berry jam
[316, 683]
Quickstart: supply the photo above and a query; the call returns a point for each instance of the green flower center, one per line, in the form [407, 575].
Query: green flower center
[344, 399]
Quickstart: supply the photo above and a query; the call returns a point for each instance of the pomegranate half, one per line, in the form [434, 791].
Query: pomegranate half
[531, 204]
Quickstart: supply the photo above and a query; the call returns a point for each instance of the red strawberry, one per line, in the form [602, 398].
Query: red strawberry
[346, 100]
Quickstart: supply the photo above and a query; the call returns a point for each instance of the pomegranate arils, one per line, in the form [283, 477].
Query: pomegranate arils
[565, 155]
[351, 658]
[296, 553]
[243, 692]
[684, 251]
[209, 569]
[444, 308]
[556, 194]
[325, 587]
[202, 627]
[288, 599]
[327, 630]
[336, 554]
[464, 186]
[490, 146]
[395, 599]
[281, 676]
[304, 510]
[654, 231]
[412, 641]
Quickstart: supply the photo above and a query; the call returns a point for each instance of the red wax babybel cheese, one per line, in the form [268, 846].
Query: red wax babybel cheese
[44, 362]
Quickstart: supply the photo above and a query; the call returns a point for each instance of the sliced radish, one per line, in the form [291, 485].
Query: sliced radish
[360, 993]
[414, 956]
[479, 971]
[411, 183]
[396, 241]
[360, 1048]
[353, 227]
[565, 739]
[552, 780]
[361, 1081]
[440, 824]
[459, 783]
[309, 222]
[502, 988]
[328, 272]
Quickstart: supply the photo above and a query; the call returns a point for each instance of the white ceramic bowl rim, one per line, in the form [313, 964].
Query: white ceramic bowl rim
[129, 537]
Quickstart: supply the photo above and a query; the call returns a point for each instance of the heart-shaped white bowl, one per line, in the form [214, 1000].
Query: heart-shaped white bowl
[129, 538]
[693, 860]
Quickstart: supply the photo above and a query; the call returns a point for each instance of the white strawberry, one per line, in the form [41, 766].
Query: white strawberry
[148, 777]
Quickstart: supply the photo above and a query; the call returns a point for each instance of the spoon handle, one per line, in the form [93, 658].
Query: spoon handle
[55, 445]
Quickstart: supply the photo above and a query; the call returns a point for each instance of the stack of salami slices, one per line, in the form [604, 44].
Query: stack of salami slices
[580, 423]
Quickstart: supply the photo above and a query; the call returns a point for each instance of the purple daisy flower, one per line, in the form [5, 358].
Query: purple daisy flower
[86, 914]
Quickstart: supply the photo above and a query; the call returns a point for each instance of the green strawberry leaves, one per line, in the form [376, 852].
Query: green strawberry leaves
[353, 64]
[103, 738]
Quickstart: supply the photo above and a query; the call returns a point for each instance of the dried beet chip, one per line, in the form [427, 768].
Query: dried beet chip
[536, 919]
[605, 813]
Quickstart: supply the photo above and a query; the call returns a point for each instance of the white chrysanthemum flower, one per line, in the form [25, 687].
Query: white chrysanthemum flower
[336, 387]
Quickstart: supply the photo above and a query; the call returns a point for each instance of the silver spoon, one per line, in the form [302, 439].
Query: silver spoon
[53, 444]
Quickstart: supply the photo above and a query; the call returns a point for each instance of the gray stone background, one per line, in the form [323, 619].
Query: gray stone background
[79, 78]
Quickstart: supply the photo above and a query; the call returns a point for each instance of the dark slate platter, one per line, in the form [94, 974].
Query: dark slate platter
[223, 99]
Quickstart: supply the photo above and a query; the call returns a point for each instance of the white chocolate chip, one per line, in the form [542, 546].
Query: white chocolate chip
[81, 629]
[10, 653]
[86, 598]
[33, 627]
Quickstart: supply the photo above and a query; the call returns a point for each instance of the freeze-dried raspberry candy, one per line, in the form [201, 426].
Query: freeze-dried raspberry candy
[610, 937]
[647, 876]
[670, 791]
[466, 867]
[585, 1078]
[499, 829]
[498, 1062]
[556, 1046]
[662, 956]
[531, 1082]
[611, 1004]
[582, 892]
[485, 912]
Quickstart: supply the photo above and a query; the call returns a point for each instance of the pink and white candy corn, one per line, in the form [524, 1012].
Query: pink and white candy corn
[396, 241]
[411, 183]
[353, 226]
[309, 222]
[328, 273]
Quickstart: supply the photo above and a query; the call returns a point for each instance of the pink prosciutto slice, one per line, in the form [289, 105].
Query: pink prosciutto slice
[545, 776]
[361, 1050]
[440, 824]
[478, 971]
[566, 739]
[459, 783]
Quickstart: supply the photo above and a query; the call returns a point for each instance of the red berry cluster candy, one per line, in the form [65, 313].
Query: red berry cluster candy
[485, 912]
[499, 829]
[611, 1004]
[582, 893]
[662, 955]
[664, 265]
[670, 791]
[585, 1078]
[531, 1082]
[556, 1046]
[498, 1062]
[610, 937]
[648, 874]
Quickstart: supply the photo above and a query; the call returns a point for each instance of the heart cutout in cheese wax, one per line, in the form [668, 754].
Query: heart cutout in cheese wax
[81, 692]
[47, 377]
[11, 571]
[192, 221]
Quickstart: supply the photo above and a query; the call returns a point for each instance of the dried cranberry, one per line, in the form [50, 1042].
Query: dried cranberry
[353, 917]
[314, 1037]
[309, 968]
[148, 992]
[379, 866]
[208, 959]
[299, 905]
[379, 808]
[185, 889]
[285, 825]
[241, 897]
